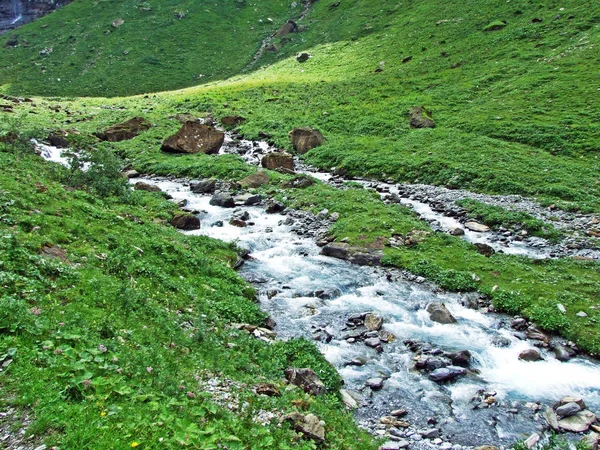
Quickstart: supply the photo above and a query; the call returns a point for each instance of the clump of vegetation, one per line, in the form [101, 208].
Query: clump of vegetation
[496, 217]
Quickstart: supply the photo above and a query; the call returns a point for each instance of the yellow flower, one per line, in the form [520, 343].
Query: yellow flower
[134, 444]
[103, 413]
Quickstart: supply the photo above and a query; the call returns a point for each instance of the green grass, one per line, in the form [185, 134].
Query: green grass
[108, 345]
[496, 217]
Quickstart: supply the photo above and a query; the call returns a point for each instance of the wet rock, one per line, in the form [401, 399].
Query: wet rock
[348, 400]
[223, 199]
[360, 361]
[567, 410]
[519, 324]
[532, 440]
[457, 232]
[430, 434]
[579, 422]
[237, 222]
[125, 131]
[185, 222]
[255, 180]
[478, 227]
[501, 341]
[373, 321]
[373, 342]
[142, 186]
[273, 206]
[535, 334]
[305, 139]
[356, 255]
[462, 358]
[420, 117]
[194, 137]
[207, 186]
[375, 383]
[392, 421]
[571, 399]
[277, 161]
[268, 389]
[132, 174]
[306, 379]
[530, 355]
[487, 447]
[561, 353]
[386, 336]
[399, 413]
[484, 249]
[248, 199]
[551, 418]
[440, 314]
[448, 373]
[310, 426]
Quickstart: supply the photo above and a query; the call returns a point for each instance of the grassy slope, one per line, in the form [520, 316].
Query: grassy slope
[134, 294]
[153, 50]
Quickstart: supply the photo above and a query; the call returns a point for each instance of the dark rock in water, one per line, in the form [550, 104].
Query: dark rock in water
[59, 138]
[373, 342]
[278, 160]
[530, 355]
[218, 223]
[142, 186]
[484, 249]
[501, 341]
[238, 222]
[356, 255]
[327, 294]
[305, 139]
[462, 358]
[535, 334]
[222, 199]
[232, 121]
[270, 323]
[186, 222]
[519, 324]
[125, 131]
[309, 426]
[273, 206]
[241, 214]
[207, 186]
[440, 314]
[255, 180]
[194, 137]
[421, 118]
[447, 373]
[561, 353]
[457, 232]
[306, 379]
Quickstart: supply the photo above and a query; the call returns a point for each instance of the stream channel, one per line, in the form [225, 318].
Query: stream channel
[318, 297]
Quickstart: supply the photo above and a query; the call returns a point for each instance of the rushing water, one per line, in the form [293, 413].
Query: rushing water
[291, 269]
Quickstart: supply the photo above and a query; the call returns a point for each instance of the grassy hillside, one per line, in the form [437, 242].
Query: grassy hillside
[161, 44]
[112, 322]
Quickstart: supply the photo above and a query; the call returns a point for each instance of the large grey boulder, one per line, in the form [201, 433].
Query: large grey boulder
[440, 314]
[306, 379]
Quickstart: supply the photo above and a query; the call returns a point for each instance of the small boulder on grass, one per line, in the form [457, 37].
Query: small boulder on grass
[305, 139]
[420, 117]
[125, 131]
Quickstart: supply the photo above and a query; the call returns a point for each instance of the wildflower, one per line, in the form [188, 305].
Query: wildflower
[102, 348]
[149, 369]
[115, 359]
[190, 395]
[119, 370]
[134, 444]
[103, 413]
[87, 383]
[35, 311]
[182, 387]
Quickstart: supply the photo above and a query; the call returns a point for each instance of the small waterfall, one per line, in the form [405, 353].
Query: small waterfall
[17, 11]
